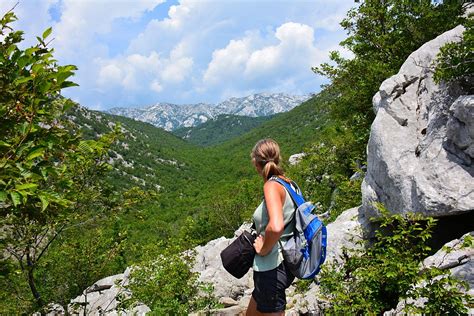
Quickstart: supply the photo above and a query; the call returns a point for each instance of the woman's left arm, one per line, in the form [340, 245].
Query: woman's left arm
[274, 199]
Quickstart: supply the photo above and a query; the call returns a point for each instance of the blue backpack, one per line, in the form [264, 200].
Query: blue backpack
[305, 251]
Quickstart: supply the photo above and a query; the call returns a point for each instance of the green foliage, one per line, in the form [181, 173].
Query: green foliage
[443, 294]
[455, 60]
[96, 254]
[206, 301]
[49, 176]
[468, 242]
[373, 281]
[302, 286]
[224, 215]
[220, 129]
[165, 283]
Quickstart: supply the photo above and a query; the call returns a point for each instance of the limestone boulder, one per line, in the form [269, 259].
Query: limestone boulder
[421, 141]
[209, 266]
[346, 232]
[307, 303]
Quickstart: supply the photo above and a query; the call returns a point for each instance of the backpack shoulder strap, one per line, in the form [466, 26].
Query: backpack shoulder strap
[297, 198]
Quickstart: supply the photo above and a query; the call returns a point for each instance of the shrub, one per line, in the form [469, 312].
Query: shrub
[165, 283]
[373, 281]
[455, 60]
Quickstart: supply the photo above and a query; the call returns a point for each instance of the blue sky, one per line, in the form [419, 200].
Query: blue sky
[137, 53]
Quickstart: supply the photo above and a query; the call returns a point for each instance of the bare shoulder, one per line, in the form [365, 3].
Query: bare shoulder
[271, 188]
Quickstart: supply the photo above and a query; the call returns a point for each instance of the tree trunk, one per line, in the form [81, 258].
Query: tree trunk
[31, 282]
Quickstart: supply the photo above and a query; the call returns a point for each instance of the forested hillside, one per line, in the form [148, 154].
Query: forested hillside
[220, 129]
[84, 194]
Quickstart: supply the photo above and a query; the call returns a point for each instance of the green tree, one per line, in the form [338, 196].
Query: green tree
[48, 175]
[382, 33]
[455, 60]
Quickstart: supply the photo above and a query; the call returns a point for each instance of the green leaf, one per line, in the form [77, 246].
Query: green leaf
[44, 86]
[10, 49]
[3, 196]
[40, 40]
[23, 129]
[36, 152]
[47, 32]
[62, 76]
[23, 61]
[31, 50]
[44, 201]
[67, 84]
[23, 80]
[26, 186]
[44, 173]
[4, 144]
[16, 198]
[68, 104]
[37, 68]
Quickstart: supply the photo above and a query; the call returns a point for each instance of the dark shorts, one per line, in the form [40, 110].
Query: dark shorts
[270, 286]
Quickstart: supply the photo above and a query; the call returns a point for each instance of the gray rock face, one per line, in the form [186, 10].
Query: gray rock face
[460, 129]
[101, 297]
[296, 158]
[209, 266]
[421, 141]
[345, 232]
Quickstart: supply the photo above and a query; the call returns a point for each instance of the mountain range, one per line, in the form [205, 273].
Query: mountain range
[173, 116]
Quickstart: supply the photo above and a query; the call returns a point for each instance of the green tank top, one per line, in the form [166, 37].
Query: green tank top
[260, 218]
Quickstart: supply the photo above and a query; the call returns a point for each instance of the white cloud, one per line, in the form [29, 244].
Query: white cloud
[278, 65]
[229, 60]
[136, 72]
[295, 49]
[176, 70]
[129, 71]
[155, 86]
[200, 51]
[233, 50]
[81, 20]
[178, 66]
[110, 74]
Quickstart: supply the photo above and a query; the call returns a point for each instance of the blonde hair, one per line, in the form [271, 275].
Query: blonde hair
[266, 154]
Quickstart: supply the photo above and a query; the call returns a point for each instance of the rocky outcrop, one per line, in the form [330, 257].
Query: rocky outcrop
[457, 257]
[421, 142]
[103, 298]
[296, 159]
[460, 129]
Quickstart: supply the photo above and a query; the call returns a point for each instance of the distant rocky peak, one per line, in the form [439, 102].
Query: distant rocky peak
[173, 116]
